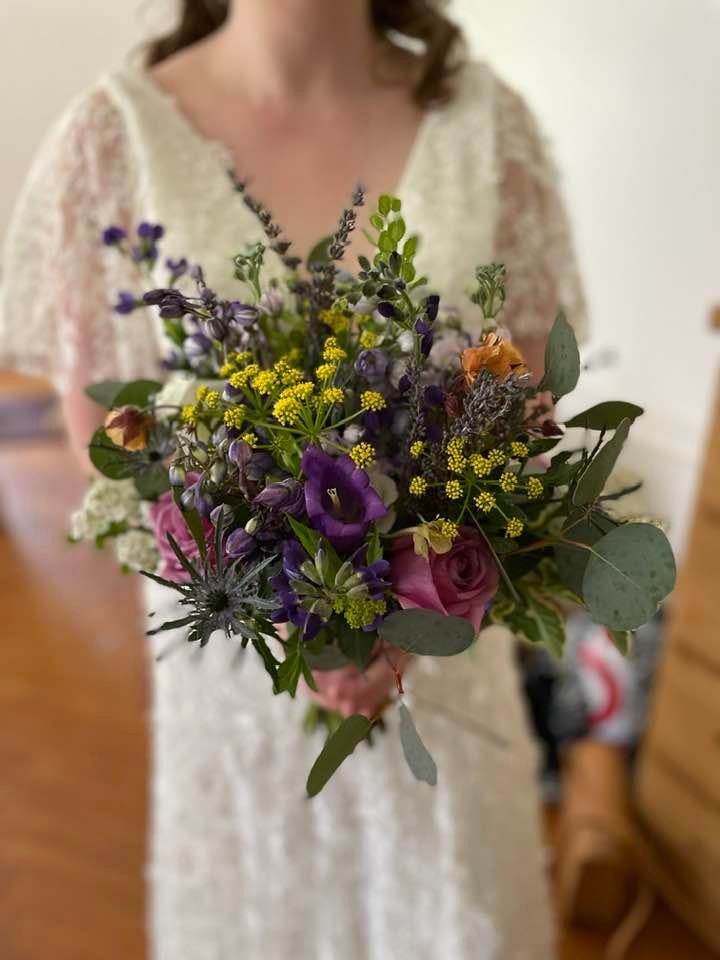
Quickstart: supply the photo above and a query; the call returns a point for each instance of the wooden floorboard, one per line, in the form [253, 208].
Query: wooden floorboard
[73, 746]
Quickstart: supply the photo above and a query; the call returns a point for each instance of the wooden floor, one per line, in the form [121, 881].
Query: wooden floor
[73, 754]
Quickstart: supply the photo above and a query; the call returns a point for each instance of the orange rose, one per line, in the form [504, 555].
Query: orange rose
[498, 356]
[128, 427]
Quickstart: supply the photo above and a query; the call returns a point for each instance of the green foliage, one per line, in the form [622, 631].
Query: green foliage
[104, 392]
[583, 528]
[630, 571]
[356, 645]
[416, 754]
[320, 254]
[137, 393]
[562, 359]
[268, 659]
[293, 667]
[307, 537]
[596, 474]
[152, 480]
[427, 633]
[537, 617]
[112, 461]
[605, 416]
[338, 748]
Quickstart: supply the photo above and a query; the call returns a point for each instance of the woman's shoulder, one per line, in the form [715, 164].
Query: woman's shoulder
[479, 83]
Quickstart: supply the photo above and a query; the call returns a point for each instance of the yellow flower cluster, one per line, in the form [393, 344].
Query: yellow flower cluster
[241, 378]
[519, 449]
[485, 501]
[481, 465]
[335, 319]
[456, 458]
[416, 449]
[359, 611]
[418, 486]
[453, 490]
[326, 371]
[234, 416]
[288, 407]
[234, 360]
[508, 481]
[189, 414]
[368, 339]
[212, 400]
[363, 454]
[250, 439]
[201, 392]
[265, 382]
[331, 395]
[496, 457]
[448, 528]
[332, 351]
[514, 528]
[534, 487]
[372, 400]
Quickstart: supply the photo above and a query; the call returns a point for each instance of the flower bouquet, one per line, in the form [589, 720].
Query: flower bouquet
[335, 472]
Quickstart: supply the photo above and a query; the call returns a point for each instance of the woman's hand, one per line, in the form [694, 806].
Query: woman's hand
[350, 690]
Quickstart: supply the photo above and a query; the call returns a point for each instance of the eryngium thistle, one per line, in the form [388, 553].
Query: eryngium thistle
[492, 406]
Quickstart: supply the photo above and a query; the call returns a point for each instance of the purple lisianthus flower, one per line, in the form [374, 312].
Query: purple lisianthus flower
[285, 496]
[372, 365]
[112, 236]
[339, 500]
[126, 302]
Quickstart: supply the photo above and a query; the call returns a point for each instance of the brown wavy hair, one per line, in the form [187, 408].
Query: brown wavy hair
[415, 20]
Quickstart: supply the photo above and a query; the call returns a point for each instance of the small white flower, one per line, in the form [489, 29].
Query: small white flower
[114, 501]
[406, 341]
[137, 550]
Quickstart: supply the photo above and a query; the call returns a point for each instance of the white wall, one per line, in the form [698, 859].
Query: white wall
[628, 92]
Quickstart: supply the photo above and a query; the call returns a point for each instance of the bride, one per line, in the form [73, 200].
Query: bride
[306, 98]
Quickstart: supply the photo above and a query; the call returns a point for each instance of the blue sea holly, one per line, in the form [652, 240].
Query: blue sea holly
[339, 499]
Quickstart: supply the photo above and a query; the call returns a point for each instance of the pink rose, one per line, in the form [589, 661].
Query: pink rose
[461, 582]
[165, 518]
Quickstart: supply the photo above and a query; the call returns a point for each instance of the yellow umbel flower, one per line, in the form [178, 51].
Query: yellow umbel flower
[481, 465]
[265, 382]
[331, 395]
[212, 399]
[332, 351]
[242, 377]
[453, 490]
[301, 391]
[190, 414]
[363, 454]
[485, 501]
[417, 448]
[250, 439]
[448, 528]
[234, 416]
[201, 392]
[368, 339]
[287, 410]
[519, 449]
[418, 486]
[291, 376]
[326, 371]
[496, 457]
[227, 370]
[361, 611]
[335, 319]
[534, 487]
[243, 357]
[372, 400]
[514, 528]
[508, 481]
[455, 457]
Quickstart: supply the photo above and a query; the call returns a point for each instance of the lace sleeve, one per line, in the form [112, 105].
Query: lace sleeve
[56, 316]
[533, 234]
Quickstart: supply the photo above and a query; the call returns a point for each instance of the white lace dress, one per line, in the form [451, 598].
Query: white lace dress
[377, 867]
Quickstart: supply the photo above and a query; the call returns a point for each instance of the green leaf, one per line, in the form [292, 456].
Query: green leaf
[410, 248]
[356, 645]
[291, 668]
[386, 244]
[104, 392]
[630, 571]
[407, 272]
[550, 624]
[319, 254]
[338, 747]
[572, 561]
[416, 753]
[137, 393]
[562, 359]
[307, 537]
[596, 474]
[329, 658]
[606, 416]
[395, 204]
[268, 659]
[385, 204]
[622, 640]
[397, 229]
[377, 222]
[152, 481]
[374, 547]
[427, 632]
[111, 460]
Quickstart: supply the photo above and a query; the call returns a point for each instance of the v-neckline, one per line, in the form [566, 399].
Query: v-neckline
[224, 157]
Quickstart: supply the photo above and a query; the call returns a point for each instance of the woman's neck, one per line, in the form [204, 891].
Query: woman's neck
[295, 50]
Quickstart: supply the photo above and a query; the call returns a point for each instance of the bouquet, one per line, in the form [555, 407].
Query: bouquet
[335, 471]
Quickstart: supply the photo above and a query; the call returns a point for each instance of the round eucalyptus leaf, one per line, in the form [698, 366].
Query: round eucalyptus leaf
[605, 416]
[630, 571]
[137, 393]
[562, 359]
[597, 473]
[427, 632]
[416, 754]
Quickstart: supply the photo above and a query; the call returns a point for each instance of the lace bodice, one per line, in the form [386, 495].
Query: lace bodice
[478, 173]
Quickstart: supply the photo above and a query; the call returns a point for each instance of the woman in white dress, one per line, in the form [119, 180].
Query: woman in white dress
[306, 97]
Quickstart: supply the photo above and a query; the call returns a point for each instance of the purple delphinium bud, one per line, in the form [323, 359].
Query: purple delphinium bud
[240, 545]
[372, 365]
[285, 496]
[126, 302]
[427, 344]
[405, 383]
[244, 314]
[386, 310]
[176, 475]
[112, 236]
[150, 231]
[434, 396]
[177, 267]
[432, 304]
[240, 453]
[422, 327]
[272, 302]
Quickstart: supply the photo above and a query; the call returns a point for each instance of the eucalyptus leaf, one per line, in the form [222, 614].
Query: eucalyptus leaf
[606, 416]
[630, 571]
[104, 392]
[416, 753]
[562, 359]
[338, 747]
[597, 473]
[329, 658]
[137, 393]
[427, 632]
[356, 645]
[572, 561]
